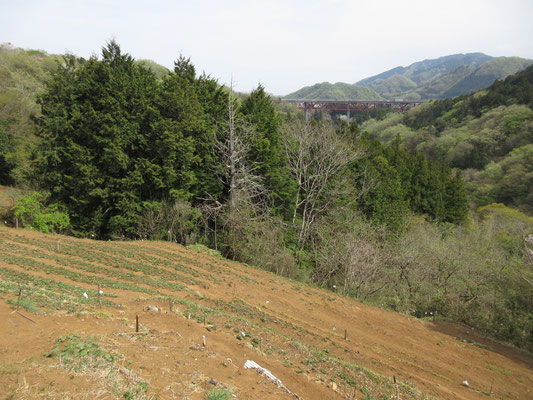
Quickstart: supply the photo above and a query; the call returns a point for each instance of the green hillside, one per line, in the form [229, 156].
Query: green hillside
[396, 84]
[444, 77]
[335, 91]
[486, 74]
[23, 74]
[488, 135]
[423, 71]
[435, 87]
[159, 71]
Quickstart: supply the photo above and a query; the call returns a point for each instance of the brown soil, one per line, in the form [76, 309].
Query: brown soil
[431, 358]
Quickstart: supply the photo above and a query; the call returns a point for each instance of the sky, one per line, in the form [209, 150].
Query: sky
[283, 45]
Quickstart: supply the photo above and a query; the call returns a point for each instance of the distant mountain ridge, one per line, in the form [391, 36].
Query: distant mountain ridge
[335, 91]
[439, 78]
[423, 71]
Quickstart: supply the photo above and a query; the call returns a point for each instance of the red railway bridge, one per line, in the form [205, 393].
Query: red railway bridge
[351, 105]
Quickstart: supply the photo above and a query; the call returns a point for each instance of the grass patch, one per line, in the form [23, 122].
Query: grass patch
[218, 394]
[74, 351]
[502, 371]
[200, 248]
[86, 356]
[25, 303]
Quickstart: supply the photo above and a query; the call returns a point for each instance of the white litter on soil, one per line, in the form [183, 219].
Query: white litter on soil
[249, 364]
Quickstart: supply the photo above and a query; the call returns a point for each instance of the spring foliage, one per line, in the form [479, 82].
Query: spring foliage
[178, 157]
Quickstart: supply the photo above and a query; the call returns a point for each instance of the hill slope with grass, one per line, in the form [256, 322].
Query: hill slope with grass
[334, 91]
[59, 342]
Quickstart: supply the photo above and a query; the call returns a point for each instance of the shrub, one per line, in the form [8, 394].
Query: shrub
[32, 212]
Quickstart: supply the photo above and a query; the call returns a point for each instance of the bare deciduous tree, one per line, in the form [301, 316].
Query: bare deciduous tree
[149, 224]
[348, 252]
[245, 188]
[233, 146]
[316, 156]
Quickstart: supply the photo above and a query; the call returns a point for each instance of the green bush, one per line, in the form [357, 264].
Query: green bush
[32, 212]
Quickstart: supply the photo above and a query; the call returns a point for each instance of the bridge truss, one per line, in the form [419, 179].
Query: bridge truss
[351, 105]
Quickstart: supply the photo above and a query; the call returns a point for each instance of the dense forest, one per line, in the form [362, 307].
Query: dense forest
[114, 149]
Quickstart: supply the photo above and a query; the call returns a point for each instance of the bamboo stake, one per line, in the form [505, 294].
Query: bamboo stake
[22, 315]
[99, 299]
[20, 294]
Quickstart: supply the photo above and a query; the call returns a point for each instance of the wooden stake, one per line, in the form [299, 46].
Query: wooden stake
[345, 334]
[170, 305]
[136, 323]
[491, 384]
[396, 387]
[19, 313]
[20, 294]
[57, 244]
[16, 222]
[203, 340]
[99, 299]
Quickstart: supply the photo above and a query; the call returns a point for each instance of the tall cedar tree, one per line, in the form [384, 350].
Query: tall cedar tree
[405, 182]
[114, 142]
[267, 151]
[385, 202]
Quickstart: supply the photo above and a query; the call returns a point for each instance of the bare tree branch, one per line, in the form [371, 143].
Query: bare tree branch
[316, 155]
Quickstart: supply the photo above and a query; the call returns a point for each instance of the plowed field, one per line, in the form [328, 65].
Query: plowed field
[201, 317]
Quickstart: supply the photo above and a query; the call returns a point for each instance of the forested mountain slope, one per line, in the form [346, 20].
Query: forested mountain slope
[489, 135]
[439, 78]
[426, 70]
[335, 91]
[22, 75]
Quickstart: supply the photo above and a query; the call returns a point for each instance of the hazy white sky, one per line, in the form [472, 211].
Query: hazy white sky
[282, 44]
